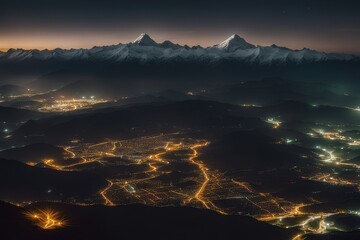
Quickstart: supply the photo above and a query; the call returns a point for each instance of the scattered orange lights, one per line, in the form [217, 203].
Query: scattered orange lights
[328, 178]
[354, 143]
[47, 219]
[275, 123]
[335, 135]
[250, 105]
[31, 163]
[67, 105]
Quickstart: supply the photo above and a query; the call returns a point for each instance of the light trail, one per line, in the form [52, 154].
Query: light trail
[99, 144]
[67, 149]
[353, 165]
[114, 145]
[328, 178]
[204, 170]
[331, 157]
[51, 163]
[243, 185]
[46, 219]
[322, 225]
[103, 194]
[354, 143]
[157, 157]
[298, 237]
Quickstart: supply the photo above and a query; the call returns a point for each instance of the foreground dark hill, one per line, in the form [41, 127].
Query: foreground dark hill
[20, 182]
[136, 222]
[33, 153]
[15, 115]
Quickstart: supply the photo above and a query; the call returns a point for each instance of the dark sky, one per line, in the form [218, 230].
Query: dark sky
[328, 25]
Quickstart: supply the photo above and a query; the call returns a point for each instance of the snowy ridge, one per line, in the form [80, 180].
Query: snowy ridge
[145, 49]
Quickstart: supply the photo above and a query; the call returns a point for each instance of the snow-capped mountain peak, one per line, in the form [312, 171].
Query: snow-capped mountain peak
[234, 43]
[144, 40]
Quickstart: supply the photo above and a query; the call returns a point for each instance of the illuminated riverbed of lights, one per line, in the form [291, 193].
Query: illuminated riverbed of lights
[156, 154]
[143, 187]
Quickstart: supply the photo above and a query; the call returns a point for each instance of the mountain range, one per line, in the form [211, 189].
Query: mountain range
[145, 49]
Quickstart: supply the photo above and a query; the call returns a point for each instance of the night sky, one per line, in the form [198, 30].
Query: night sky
[327, 25]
